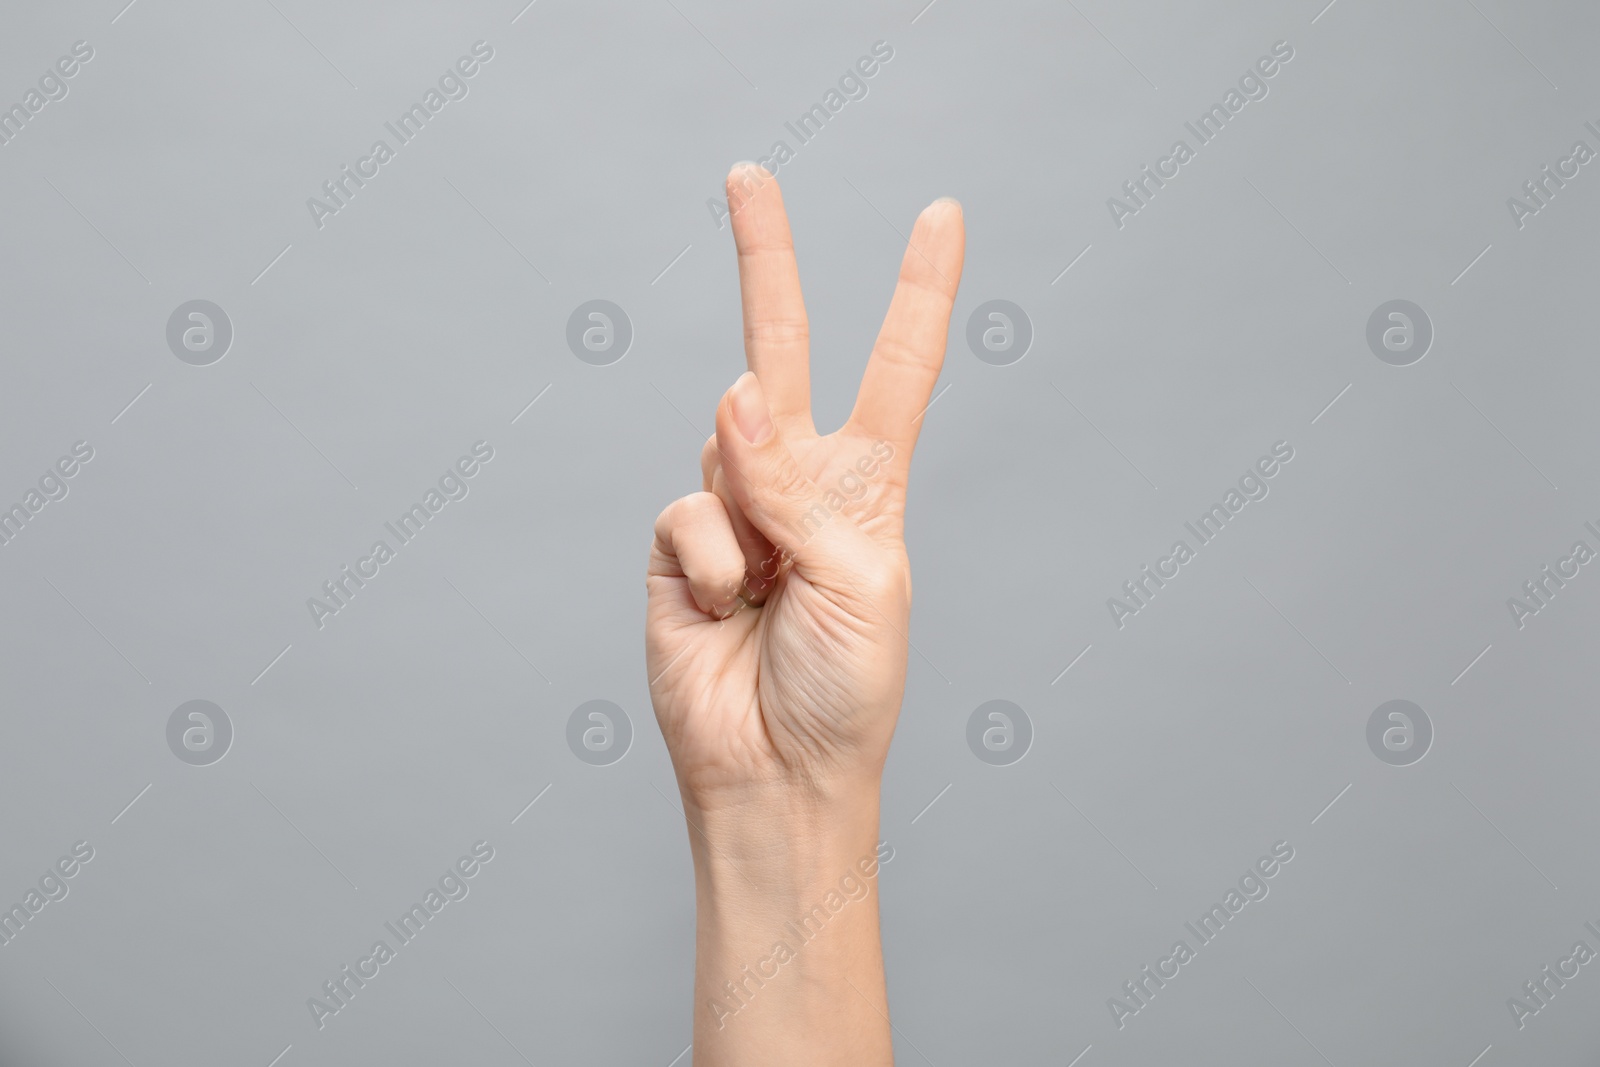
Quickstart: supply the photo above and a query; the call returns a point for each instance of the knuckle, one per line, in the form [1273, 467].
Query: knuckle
[899, 352]
[915, 277]
[666, 520]
[726, 581]
[765, 244]
[777, 332]
[885, 584]
[710, 459]
[682, 512]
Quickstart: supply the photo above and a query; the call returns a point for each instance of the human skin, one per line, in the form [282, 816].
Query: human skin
[779, 599]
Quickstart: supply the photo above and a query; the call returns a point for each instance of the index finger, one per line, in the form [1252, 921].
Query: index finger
[776, 332]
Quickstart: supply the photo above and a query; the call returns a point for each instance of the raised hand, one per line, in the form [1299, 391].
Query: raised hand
[779, 595]
[779, 600]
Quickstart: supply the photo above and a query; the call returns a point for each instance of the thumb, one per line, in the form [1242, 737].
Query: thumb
[777, 497]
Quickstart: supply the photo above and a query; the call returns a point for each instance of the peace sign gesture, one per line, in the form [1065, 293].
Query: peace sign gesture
[780, 595]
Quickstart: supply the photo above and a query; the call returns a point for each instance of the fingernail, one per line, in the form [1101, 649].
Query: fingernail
[750, 409]
[948, 200]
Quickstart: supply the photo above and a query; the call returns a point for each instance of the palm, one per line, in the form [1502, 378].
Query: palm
[880, 511]
[743, 692]
[805, 675]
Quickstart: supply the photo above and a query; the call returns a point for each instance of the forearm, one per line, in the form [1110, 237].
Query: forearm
[788, 959]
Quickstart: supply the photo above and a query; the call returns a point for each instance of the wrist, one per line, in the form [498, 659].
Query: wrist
[785, 839]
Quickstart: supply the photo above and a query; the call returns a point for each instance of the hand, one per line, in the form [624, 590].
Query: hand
[779, 596]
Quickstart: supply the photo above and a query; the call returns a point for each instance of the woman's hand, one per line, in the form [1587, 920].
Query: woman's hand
[780, 594]
[780, 597]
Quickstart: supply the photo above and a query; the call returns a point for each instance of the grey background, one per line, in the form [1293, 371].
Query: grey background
[1222, 318]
